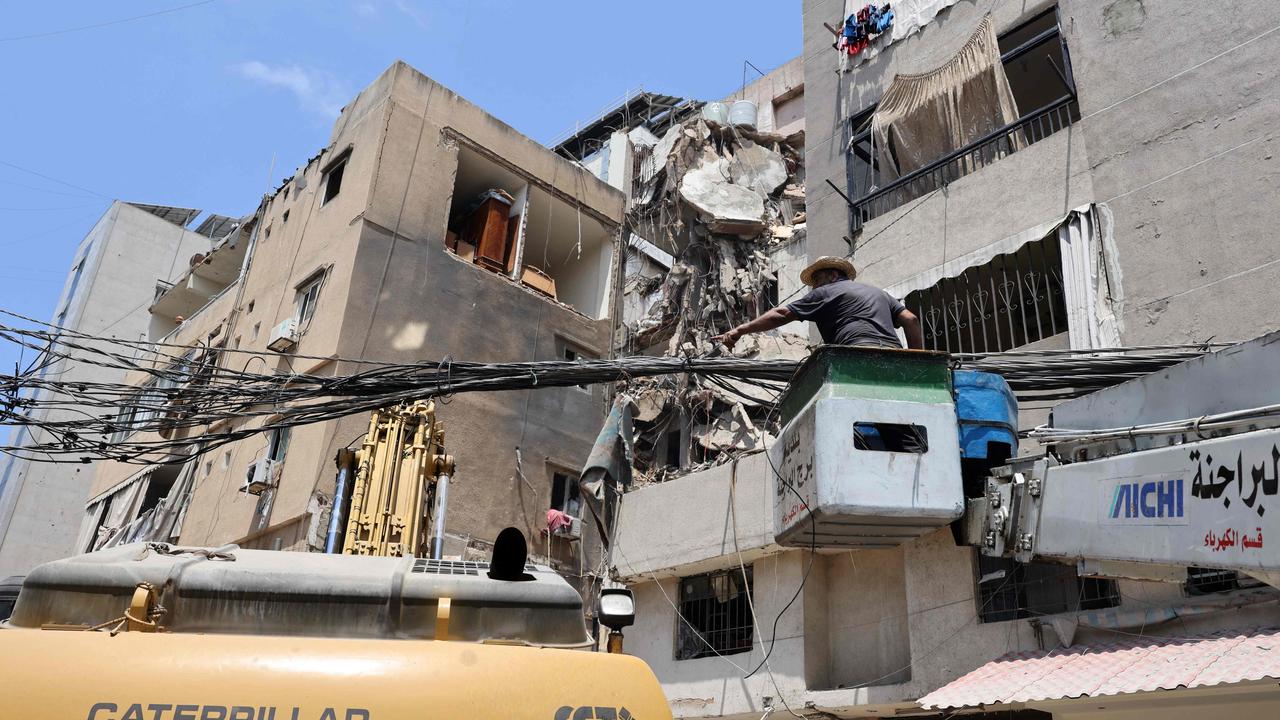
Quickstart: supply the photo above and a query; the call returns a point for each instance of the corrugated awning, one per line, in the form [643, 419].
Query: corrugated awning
[1116, 668]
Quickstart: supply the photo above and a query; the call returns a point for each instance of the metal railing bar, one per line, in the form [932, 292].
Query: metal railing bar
[953, 155]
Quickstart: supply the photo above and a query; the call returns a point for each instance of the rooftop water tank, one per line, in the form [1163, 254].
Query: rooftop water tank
[716, 112]
[743, 113]
[869, 451]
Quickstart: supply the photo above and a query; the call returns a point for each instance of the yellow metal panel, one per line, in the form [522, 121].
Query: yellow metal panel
[389, 507]
[158, 676]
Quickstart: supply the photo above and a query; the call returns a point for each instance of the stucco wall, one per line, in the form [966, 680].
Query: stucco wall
[125, 252]
[393, 293]
[1183, 159]
[783, 82]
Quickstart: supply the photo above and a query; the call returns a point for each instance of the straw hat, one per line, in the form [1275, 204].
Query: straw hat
[828, 262]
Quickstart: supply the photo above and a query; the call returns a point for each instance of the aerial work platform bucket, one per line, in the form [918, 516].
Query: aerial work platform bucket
[869, 452]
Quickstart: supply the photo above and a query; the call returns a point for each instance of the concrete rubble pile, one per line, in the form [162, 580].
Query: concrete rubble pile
[717, 207]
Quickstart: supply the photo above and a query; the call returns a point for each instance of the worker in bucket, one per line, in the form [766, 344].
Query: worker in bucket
[846, 312]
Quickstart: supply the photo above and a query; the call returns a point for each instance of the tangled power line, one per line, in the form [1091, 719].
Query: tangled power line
[193, 401]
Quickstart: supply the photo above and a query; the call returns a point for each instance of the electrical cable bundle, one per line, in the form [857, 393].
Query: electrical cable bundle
[191, 402]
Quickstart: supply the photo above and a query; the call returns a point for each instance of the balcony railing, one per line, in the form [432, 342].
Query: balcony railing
[1015, 136]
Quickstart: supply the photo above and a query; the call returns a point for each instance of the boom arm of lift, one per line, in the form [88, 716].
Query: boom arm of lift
[1209, 503]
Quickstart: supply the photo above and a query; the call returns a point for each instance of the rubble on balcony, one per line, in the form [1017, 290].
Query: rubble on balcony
[721, 210]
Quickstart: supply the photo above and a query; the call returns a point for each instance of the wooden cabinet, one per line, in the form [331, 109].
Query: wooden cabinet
[486, 229]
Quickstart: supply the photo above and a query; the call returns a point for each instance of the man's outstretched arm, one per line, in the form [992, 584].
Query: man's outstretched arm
[774, 318]
[910, 325]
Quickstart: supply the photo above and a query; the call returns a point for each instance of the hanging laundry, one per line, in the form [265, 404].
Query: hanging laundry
[863, 26]
[557, 519]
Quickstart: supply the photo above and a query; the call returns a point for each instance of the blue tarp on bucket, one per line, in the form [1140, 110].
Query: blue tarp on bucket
[987, 412]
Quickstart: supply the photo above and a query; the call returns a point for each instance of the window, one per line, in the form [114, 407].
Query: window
[573, 353]
[1013, 300]
[257, 328]
[1207, 581]
[139, 409]
[75, 283]
[284, 219]
[277, 444]
[715, 615]
[890, 437]
[333, 180]
[305, 304]
[1038, 68]
[249, 307]
[1010, 590]
[565, 494]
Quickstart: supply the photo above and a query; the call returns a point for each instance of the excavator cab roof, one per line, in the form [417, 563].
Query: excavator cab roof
[262, 592]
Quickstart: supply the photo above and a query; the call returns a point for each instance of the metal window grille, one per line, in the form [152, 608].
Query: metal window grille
[1010, 590]
[1014, 300]
[1207, 581]
[715, 615]
[1036, 60]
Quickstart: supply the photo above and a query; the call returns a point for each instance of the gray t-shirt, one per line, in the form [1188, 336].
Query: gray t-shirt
[851, 313]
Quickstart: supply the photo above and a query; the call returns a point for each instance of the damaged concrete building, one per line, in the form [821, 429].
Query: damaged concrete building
[1024, 176]
[716, 235]
[424, 229]
[106, 293]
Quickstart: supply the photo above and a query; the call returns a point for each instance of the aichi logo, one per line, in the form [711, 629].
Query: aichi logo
[1153, 502]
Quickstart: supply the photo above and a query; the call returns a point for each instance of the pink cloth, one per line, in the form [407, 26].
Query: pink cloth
[557, 519]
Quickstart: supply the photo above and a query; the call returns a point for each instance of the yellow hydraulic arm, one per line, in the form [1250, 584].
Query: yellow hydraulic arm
[401, 472]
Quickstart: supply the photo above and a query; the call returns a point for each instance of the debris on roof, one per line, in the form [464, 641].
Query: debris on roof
[176, 215]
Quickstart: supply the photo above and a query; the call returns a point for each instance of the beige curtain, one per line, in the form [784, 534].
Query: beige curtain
[89, 526]
[923, 117]
[122, 510]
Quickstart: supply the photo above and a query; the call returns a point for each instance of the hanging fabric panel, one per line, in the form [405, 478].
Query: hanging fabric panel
[167, 522]
[923, 117]
[1092, 291]
[122, 509]
[89, 526]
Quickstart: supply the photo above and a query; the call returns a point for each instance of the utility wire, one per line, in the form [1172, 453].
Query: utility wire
[73, 186]
[108, 23]
[181, 395]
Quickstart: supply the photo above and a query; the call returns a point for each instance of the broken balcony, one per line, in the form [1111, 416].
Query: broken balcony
[503, 224]
[208, 276]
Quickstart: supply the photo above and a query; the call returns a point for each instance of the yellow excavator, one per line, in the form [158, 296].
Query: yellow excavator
[151, 631]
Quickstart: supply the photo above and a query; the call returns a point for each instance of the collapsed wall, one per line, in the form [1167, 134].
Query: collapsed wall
[718, 222]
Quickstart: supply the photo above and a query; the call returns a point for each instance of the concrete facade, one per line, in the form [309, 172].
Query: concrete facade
[779, 98]
[1178, 161]
[1159, 137]
[391, 291]
[106, 294]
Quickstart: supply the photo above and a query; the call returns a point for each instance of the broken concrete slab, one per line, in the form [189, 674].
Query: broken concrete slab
[758, 168]
[724, 206]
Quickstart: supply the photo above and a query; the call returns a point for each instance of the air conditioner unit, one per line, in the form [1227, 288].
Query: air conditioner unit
[572, 531]
[261, 475]
[283, 336]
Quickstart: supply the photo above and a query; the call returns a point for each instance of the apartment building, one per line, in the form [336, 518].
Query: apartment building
[106, 294]
[1024, 175]
[715, 232]
[425, 229]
